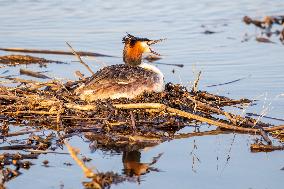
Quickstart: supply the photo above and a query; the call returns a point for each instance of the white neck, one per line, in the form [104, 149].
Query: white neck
[159, 85]
[152, 68]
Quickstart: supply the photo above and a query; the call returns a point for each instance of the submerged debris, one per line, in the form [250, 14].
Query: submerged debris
[267, 21]
[263, 40]
[11, 164]
[265, 148]
[266, 26]
[209, 32]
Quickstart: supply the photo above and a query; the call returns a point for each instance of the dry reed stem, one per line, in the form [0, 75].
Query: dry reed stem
[195, 84]
[80, 59]
[265, 148]
[203, 133]
[162, 107]
[139, 138]
[81, 53]
[87, 172]
[17, 133]
[23, 80]
[33, 74]
[58, 117]
[188, 115]
[88, 107]
[45, 152]
[233, 118]
[30, 112]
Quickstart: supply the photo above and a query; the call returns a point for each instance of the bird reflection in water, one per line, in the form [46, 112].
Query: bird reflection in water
[134, 168]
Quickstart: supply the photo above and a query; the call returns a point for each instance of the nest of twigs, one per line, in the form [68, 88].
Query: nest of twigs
[119, 125]
[148, 119]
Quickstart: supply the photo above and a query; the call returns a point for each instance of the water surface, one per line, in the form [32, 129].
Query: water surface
[100, 25]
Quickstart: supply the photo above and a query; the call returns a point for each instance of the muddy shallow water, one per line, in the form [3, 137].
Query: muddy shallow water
[225, 161]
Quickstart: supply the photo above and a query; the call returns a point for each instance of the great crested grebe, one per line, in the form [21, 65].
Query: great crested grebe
[125, 80]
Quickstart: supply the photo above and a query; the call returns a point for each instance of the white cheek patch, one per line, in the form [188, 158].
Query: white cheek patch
[146, 47]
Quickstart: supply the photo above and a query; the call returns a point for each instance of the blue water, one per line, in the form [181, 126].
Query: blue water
[99, 26]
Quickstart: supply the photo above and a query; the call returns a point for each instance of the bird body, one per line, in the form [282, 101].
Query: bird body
[124, 80]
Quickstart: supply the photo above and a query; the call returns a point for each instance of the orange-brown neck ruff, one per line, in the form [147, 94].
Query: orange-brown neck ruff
[132, 53]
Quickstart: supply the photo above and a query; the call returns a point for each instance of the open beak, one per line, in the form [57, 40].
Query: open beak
[152, 42]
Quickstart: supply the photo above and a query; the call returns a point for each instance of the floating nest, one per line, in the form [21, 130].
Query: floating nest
[119, 126]
[150, 118]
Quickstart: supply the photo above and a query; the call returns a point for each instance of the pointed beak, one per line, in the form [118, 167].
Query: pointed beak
[152, 42]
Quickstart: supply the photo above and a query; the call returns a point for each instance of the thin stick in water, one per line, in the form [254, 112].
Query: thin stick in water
[33, 74]
[81, 53]
[80, 59]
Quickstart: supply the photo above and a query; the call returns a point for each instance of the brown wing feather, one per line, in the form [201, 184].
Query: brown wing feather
[118, 81]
